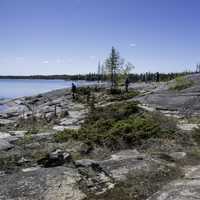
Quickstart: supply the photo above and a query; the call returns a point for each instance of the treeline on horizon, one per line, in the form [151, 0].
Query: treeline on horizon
[143, 77]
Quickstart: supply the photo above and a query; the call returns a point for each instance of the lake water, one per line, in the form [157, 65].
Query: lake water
[19, 88]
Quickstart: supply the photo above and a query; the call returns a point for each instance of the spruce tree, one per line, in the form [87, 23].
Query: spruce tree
[113, 66]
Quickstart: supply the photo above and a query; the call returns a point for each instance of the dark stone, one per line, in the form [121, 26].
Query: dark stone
[55, 158]
[64, 113]
[86, 148]
[86, 163]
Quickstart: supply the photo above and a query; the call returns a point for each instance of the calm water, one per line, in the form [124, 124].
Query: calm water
[19, 88]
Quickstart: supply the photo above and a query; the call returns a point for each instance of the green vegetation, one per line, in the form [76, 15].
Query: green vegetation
[193, 156]
[99, 95]
[8, 162]
[196, 135]
[123, 96]
[120, 123]
[65, 135]
[27, 139]
[96, 76]
[181, 83]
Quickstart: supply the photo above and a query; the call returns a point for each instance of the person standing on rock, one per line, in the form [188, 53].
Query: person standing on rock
[127, 82]
[157, 77]
[73, 90]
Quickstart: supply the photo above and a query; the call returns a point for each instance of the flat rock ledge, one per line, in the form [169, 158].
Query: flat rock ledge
[187, 188]
[44, 183]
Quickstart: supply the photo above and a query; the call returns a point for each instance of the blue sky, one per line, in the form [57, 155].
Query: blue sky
[70, 36]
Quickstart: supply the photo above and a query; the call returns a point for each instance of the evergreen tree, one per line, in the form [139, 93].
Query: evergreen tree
[113, 64]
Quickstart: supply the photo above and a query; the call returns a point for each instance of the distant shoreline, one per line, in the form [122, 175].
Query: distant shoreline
[133, 77]
[45, 77]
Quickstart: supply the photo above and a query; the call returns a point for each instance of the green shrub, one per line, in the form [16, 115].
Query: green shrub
[115, 91]
[181, 83]
[112, 112]
[84, 90]
[8, 162]
[123, 96]
[33, 131]
[121, 122]
[65, 135]
[196, 135]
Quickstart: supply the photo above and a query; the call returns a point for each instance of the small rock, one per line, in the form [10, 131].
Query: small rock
[64, 113]
[86, 163]
[30, 169]
[5, 145]
[59, 128]
[34, 101]
[62, 128]
[4, 135]
[178, 155]
[126, 154]
[50, 116]
[85, 148]
[2, 173]
[23, 161]
[187, 127]
[39, 96]
[55, 158]
[18, 133]
[43, 136]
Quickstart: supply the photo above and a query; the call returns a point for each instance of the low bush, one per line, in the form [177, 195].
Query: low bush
[8, 162]
[182, 83]
[120, 122]
[64, 136]
[123, 96]
[84, 90]
[115, 91]
[196, 135]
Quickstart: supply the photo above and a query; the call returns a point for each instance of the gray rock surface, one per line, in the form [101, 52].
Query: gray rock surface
[161, 97]
[58, 183]
[187, 188]
[5, 145]
[124, 162]
[54, 107]
[178, 155]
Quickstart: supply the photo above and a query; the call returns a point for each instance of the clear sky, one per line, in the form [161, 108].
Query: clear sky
[70, 36]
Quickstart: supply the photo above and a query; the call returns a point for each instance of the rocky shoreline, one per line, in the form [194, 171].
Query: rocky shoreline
[52, 105]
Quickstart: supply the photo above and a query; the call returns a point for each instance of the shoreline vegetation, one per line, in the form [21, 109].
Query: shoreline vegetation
[133, 77]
